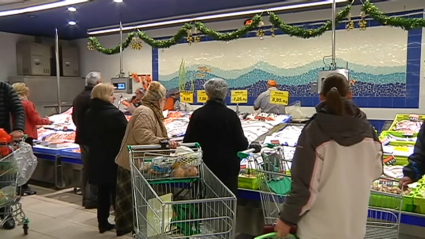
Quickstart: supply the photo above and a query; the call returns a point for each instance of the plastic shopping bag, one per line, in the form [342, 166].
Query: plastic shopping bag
[26, 162]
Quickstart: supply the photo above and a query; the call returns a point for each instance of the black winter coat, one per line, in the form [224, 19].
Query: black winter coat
[219, 131]
[10, 106]
[80, 106]
[105, 129]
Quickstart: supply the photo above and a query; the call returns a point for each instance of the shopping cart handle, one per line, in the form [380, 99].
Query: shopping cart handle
[267, 236]
[162, 145]
[245, 154]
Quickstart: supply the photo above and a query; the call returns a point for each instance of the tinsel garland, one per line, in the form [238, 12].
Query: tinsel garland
[307, 33]
[368, 8]
[228, 36]
[180, 35]
[404, 23]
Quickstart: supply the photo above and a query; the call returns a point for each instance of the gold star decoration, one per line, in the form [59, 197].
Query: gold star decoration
[350, 24]
[260, 33]
[136, 43]
[273, 32]
[90, 46]
[189, 37]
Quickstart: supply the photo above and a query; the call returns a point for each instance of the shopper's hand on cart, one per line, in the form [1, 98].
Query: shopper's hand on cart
[17, 135]
[173, 144]
[404, 182]
[282, 229]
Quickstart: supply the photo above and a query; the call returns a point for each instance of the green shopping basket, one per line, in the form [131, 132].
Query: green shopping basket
[273, 235]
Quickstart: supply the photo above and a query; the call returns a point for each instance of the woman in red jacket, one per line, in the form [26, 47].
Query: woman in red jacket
[32, 119]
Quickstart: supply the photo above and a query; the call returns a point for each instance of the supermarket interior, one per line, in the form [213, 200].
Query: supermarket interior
[52, 45]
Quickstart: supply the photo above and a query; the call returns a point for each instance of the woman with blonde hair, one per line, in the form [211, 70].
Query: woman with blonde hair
[146, 127]
[32, 119]
[105, 129]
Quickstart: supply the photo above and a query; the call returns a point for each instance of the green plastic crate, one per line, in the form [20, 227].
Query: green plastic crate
[400, 161]
[399, 118]
[395, 143]
[383, 201]
[248, 183]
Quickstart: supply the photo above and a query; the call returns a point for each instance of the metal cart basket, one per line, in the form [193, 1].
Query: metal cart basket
[10, 205]
[177, 196]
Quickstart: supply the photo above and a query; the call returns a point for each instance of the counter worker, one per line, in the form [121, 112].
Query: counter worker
[10, 105]
[415, 170]
[263, 101]
[136, 100]
[172, 103]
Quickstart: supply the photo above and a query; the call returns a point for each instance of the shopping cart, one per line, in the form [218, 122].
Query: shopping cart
[270, 169]
[384, 213]
[10, 205]
[175, 195]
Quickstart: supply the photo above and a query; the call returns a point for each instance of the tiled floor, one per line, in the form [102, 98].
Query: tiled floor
[51, 218]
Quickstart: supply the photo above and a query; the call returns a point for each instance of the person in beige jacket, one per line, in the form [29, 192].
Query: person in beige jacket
[146, 127]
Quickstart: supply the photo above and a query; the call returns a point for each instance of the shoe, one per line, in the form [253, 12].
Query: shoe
[123, 232]
[90, 205]
[105, 228]
[27, 192]
[9, 224]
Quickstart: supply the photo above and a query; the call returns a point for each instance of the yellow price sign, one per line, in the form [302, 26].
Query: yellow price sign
[239, 96]
[186, 97]
[279, 97]
[202, 96]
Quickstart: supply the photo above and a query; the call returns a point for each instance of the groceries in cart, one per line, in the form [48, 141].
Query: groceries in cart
[181, 163]
[173, 206]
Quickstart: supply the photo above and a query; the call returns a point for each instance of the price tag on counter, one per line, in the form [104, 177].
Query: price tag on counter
[239, 96]
[202, 96]
[279, 97]
[186, 97]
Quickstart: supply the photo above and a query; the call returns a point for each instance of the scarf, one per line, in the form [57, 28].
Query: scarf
[158, 115]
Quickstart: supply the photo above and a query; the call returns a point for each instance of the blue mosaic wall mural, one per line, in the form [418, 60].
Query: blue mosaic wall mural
[384, 65]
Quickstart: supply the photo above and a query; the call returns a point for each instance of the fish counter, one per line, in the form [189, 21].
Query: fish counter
[59, 158]
[60, 162]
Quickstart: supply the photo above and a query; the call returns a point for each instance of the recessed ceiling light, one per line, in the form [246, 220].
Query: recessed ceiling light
[72, 23]
[72, 9]
[117, 0]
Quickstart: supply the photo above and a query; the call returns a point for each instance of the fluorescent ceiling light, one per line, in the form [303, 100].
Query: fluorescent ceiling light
[72, 9]
[72, 23]
[118, 1]
[41, 7]
[215, 16]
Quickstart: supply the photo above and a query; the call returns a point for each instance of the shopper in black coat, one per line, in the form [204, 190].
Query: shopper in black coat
[80, 106]
[106, 126]
[219, 131]
[10, 108]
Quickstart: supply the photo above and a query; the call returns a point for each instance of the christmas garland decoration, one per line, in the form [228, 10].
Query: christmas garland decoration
[94, 44]
[300, 32]
[404, 23]
[228, 36]
[134, 39]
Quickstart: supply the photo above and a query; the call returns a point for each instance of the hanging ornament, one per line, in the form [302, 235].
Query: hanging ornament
[136, 43]
[189, 37]
[261, 24]
[90, 46]
[198, 39]
[350, 24]
[362, 22]
[272, 31]
[260, 34]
